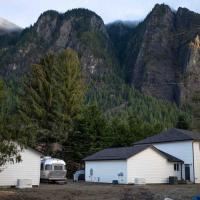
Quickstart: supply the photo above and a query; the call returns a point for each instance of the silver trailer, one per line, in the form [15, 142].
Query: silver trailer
[52, 170]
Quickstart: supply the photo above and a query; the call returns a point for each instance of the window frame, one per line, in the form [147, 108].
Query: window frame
[61, 169]
[176, 167]
[50, 169]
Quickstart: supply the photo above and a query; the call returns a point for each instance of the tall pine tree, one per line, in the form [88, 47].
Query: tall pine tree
[52, 97]
[11, 139]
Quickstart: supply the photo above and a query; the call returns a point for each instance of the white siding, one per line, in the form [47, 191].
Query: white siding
[196, 147]
[29, 168]
[151, 166]
[182, 150]
[106, 171]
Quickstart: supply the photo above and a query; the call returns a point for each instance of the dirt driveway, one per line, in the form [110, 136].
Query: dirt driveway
[87, 191]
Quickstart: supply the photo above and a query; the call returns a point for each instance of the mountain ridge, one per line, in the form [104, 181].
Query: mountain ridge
[155, 56]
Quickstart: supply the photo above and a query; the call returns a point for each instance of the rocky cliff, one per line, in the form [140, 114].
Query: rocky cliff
[79, 29]
[190, 87]
[154, 68]
[157, 53]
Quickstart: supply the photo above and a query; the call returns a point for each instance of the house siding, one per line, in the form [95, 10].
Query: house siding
[106, 171]
[182, 150]
[29, 168]
[196, 149]
[151, 166]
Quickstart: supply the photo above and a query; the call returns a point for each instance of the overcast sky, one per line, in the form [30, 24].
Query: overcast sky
[26, 12]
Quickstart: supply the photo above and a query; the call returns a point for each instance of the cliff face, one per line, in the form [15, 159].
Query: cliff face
[79, 29]
[158, 50]
[154, 68]
[191, 76]
[190, 88]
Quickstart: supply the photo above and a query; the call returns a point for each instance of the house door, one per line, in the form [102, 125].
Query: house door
[187, 172]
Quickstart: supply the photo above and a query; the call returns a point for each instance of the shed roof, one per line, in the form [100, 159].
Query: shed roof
[124, 153]
[170, 135]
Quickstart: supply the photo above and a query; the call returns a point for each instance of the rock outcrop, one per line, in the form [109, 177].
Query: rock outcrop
[190, 88]
[78, 29]
[154, 70]
[158, 52]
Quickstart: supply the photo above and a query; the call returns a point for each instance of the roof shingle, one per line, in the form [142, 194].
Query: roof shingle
[121, 153]
[124, 153]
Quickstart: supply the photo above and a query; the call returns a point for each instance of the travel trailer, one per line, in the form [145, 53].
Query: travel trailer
[52, 170]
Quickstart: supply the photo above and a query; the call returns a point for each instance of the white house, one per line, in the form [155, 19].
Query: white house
[171, 153]
[27, 169]
[182, 144]
[128, 164]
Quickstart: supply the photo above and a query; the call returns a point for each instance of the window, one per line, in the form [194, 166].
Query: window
[176, 167]
[58, 167]
[48, 167]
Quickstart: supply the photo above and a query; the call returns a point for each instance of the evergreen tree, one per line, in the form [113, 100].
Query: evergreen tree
[89, 135]
[182, 123]
[11, 140]
[52, 97]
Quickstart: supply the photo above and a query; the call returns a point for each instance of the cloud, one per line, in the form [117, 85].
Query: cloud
[24, 12]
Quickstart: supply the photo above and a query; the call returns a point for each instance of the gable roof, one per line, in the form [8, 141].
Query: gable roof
[124, 153]
[170, 135]
[121, 153]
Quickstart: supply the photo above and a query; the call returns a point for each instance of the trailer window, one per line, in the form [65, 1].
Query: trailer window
[48, 167]
[58, 167]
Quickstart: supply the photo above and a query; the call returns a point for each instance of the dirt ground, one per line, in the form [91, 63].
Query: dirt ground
[91, 191]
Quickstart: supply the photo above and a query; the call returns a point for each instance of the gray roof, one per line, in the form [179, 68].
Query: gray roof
[124, 153]
[121, 153]
[170, 135]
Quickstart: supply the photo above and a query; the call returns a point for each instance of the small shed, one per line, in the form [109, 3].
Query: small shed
[28, 169]
[131, 164]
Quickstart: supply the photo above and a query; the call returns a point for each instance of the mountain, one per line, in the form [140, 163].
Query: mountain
[78, 29]
[159, 56]
[157, 51]
[8, 27]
